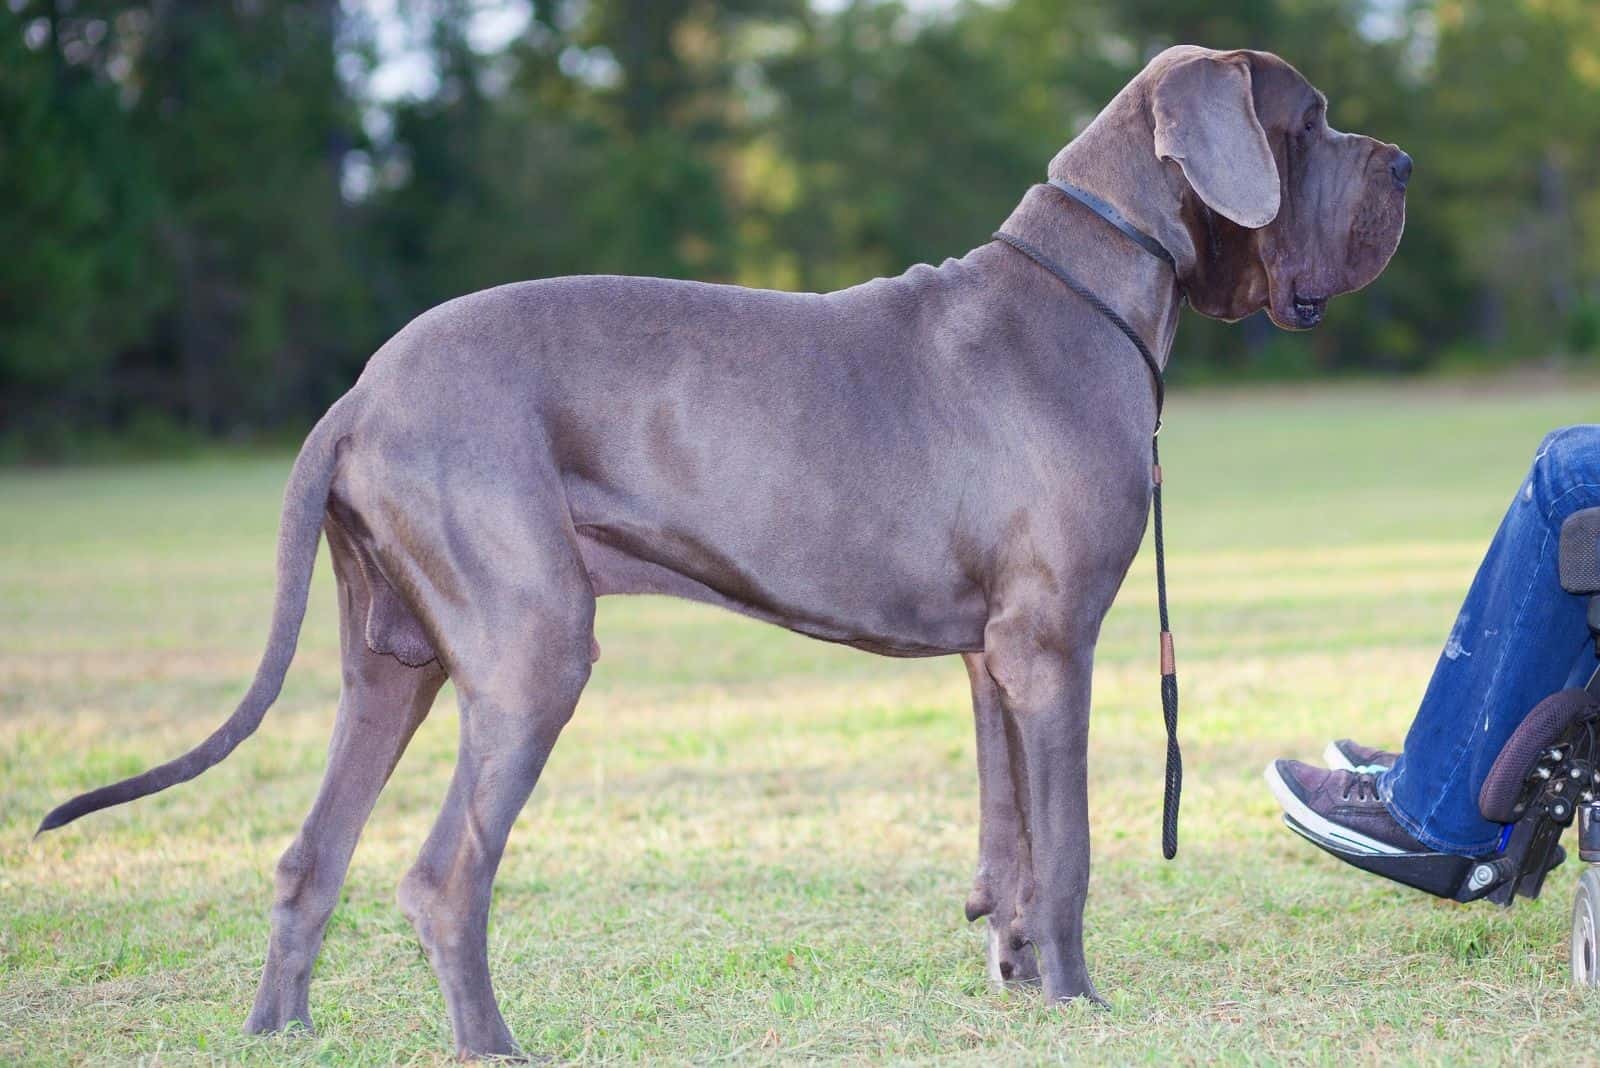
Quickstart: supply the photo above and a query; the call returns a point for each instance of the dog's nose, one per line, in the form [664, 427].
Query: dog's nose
[1400, 167]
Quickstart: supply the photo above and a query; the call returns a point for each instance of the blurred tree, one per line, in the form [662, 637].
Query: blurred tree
[1513, 116]
[665, 77]
[197, 225]
[76, 206]
[606, 151]
[904, 143]
[173, 180]
[241, 104]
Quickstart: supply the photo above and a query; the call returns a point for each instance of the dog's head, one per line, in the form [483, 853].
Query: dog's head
[1284, 210]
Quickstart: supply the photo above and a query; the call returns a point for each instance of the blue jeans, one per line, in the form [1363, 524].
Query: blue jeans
[1518, 639]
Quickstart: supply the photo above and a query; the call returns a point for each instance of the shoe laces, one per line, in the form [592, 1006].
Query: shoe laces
[1361, 786]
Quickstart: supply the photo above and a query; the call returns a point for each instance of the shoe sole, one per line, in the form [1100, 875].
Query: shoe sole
[1343, 839]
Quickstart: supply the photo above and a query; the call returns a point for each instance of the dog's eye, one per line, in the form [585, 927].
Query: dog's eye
[1311, 124]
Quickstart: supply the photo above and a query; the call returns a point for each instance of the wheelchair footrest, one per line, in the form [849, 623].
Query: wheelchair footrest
[1499, 878]
[1440, 874]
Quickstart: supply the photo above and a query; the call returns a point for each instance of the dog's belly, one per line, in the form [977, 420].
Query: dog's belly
[930, 615]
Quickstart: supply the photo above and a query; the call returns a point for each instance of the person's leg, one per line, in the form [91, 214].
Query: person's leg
[1515, 641]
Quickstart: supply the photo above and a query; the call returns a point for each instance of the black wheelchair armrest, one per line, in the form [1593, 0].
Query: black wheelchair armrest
[1536, 762]
[1579, 555]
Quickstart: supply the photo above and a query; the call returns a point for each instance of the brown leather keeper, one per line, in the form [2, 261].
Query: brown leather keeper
[1169, 658]
[1155, 473]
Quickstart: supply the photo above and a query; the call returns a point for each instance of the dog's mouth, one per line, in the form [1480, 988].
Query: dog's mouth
[1308, 310]
[1290, 308]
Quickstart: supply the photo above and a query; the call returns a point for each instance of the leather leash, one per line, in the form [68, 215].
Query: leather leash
[1169, 666]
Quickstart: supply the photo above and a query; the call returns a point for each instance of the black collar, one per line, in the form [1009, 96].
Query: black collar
[1115, 218]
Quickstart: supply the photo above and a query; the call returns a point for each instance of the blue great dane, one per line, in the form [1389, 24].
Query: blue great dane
[952, 461]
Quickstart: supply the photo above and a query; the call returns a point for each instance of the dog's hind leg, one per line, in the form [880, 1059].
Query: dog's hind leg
[1004, 865]
[518, 612]
[380, 706]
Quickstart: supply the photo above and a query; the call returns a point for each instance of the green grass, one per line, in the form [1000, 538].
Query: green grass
[751, 846]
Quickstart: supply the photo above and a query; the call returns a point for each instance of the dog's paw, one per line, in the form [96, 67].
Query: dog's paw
[266, 1023]
[1010, 964]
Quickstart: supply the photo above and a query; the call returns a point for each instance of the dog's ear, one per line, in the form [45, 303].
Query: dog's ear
[1205, 118]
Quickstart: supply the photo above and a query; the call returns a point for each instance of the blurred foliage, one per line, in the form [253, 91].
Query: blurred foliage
[210, 218]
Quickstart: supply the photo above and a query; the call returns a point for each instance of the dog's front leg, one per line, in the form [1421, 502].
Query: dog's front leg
[1044, 690]
[998, 889]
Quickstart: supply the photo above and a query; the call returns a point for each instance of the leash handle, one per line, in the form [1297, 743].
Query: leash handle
[1169, 671]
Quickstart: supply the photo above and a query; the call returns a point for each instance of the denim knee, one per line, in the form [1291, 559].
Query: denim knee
[1566, 471]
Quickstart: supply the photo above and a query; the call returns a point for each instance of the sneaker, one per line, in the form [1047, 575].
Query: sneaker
[1345, 755]
[1339, 806]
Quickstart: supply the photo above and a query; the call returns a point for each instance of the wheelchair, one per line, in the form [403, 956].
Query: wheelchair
[1546, 777]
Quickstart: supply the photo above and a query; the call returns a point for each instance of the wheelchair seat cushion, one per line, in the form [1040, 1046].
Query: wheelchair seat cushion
[1547, 725]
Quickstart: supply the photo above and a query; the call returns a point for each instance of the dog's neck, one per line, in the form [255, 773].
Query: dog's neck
[1137, 284]
[1115, 158]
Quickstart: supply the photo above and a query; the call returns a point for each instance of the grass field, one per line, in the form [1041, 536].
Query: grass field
[750, 846]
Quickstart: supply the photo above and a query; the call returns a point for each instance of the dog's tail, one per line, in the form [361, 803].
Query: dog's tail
[299, 531]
